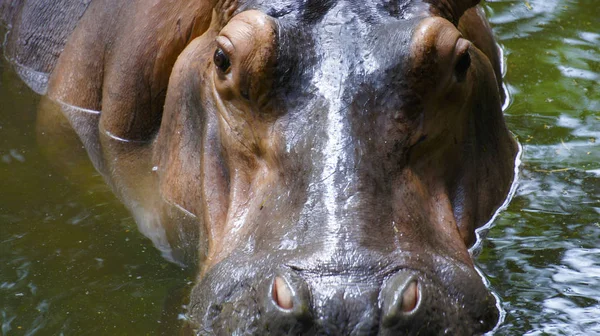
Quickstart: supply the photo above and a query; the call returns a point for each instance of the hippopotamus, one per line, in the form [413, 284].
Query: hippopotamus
[325, 164]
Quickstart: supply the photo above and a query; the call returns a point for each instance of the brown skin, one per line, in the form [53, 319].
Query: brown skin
[123, 62]
[455, 130]
[474, 27]
[226, 166]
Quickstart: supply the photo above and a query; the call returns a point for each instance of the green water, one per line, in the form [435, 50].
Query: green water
[73, 263]
[542, 256]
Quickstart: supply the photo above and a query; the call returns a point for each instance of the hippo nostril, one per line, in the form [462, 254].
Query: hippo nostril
[281, 293]
[410, 297]
[287, 309]
[400, 297]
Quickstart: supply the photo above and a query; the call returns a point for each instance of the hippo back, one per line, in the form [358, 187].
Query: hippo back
[38, 32]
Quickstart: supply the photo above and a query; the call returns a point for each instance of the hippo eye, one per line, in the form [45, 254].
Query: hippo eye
[222, 61]
[462, 65]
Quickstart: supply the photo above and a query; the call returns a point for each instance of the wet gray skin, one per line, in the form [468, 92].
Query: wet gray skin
[327, 162]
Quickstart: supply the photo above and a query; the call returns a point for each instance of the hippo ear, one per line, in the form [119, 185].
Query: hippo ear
[451, 9]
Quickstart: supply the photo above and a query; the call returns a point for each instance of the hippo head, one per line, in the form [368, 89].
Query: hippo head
[340, 155]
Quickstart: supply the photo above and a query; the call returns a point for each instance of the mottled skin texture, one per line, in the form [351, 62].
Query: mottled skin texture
[38, 35]
[347, 148]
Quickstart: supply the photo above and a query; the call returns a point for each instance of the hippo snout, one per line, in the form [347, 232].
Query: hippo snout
[295, 301]
[398, 302]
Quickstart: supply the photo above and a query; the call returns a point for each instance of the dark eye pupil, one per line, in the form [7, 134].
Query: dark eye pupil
[221, 60]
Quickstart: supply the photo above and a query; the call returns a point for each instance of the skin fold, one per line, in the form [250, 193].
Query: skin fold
[323, 163]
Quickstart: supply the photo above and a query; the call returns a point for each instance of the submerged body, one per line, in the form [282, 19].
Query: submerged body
[324, 163]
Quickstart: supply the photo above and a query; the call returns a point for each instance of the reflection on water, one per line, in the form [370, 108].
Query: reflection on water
[72, 261]
[542, 256]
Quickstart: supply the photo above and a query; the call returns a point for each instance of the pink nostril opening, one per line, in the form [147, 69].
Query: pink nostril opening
[282, 295]
[410, 297]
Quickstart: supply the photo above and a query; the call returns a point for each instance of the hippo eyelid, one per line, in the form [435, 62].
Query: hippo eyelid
[225, 44]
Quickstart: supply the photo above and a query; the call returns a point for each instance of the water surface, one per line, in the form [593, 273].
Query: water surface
[542, 255]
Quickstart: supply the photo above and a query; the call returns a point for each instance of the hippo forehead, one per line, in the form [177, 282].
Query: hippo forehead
[310, 11]
[347, 37]
[337, 53]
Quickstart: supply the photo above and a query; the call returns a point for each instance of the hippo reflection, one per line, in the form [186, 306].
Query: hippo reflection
[325, 162]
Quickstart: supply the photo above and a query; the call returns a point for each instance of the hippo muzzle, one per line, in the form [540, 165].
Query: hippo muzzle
[373, 296]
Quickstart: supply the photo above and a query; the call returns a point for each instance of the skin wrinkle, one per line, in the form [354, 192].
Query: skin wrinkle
[215, 231]
[224, 116]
